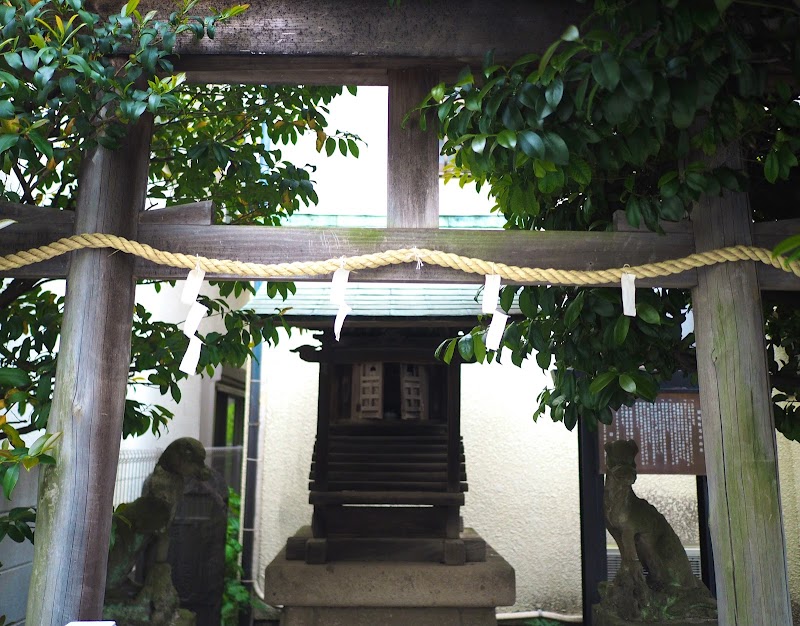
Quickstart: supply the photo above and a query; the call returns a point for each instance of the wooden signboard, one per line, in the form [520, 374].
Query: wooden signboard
[668, 432]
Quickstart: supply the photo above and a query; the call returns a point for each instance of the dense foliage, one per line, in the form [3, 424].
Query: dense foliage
[627, 112]
[71, 80]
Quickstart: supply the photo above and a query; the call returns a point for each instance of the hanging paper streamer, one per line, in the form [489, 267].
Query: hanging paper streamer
[6, 222]
[192, 287]
[417, 257]
[629, 295]
[339, 322]
[491, 293]
[192, 357]
[193, 319]
[495, 333]
[339, 285]
[92, 624]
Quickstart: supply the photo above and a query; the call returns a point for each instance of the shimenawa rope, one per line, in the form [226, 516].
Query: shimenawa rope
[510, 273]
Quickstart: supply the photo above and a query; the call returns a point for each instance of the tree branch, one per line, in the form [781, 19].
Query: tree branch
[17, 288]
[27, 193]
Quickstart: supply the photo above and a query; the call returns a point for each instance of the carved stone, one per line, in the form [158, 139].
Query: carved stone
[669, 593]
[141, 534]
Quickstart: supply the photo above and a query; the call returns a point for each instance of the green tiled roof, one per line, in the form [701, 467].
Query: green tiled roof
[378, 300]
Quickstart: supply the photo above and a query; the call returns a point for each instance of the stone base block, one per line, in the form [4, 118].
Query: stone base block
[468, 547]
[601, 617]
[328, 616]
[389, 593]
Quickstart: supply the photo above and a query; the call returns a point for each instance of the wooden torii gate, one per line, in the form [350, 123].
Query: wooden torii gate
[408, 48]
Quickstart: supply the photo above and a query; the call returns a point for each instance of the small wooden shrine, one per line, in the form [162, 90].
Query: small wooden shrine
[388, 474]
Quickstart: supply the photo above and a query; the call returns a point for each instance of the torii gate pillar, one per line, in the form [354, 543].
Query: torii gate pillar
[738, 426]
[75, 496]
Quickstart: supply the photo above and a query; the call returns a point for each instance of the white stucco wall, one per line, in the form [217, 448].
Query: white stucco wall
[523, 483]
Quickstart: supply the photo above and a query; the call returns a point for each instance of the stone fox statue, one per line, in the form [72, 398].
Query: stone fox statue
[671, 591]
[146, 521]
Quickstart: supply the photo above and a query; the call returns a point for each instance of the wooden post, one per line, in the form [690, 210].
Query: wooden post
[75, 496]
[738, 425]
[413, 160]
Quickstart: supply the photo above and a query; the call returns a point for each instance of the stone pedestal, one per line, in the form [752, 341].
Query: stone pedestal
[390, 593]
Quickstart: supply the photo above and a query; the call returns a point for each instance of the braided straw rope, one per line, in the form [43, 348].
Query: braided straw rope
[395, 257]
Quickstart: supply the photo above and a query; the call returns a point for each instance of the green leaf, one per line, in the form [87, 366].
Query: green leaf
[648, 313]
[646, 387]
[554, 92]
[479, 347]
[450, 351]
[438, 92]
[465, 347]
[556, 149]
[606, 71]
[626, 382]
[601, 382]
[672, 209]
[543, 359]
[531, 144]
[787, 245]
[633, 213]
[512, 118]
[527, 304]
[574, 310]
[353, 146]
[507, 294]
[771, 167]
[617, 107]
[580, 171]
[6, 109]
[637, 80]
[621, 329]
[669, 184]
[507, 139]
[10, 479]
[14, 377]
[8, 141]
[478, 144]
[684, 103]
[67, 85]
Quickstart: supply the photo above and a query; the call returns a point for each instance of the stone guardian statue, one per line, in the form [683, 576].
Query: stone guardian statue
[670, 593]
[142, 526]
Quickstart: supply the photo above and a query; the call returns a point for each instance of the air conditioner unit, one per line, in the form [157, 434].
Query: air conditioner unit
[614, 561]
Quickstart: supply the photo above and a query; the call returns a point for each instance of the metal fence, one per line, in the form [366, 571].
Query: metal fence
[136, 465]
[228, 462]
[133, 468]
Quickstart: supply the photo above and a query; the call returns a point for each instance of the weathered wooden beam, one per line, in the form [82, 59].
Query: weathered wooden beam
[75, 497]
[199, 213]
[413, 159]
[738, 426]
[355, 41]
[264, 244]
[26, 213]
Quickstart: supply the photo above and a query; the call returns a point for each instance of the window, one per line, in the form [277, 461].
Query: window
[390, 391]
[229, 408]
